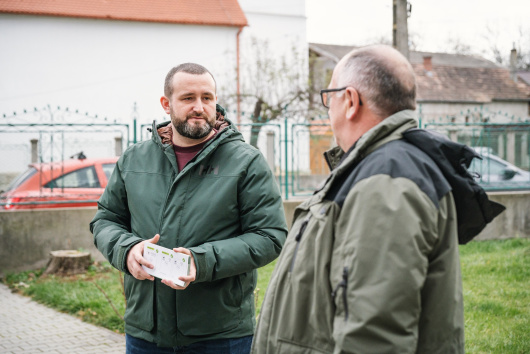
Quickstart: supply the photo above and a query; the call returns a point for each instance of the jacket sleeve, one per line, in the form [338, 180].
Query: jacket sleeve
[263, 226]
[111, 225]
[387, 228]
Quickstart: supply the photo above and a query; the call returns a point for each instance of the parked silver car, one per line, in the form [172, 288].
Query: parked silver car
[498, 173]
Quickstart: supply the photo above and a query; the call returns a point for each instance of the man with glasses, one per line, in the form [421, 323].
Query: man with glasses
[371, 264]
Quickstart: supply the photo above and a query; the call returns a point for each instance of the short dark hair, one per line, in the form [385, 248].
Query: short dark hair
[190, 68]
[387, 88]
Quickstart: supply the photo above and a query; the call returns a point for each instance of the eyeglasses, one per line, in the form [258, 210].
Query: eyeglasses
[325, 95]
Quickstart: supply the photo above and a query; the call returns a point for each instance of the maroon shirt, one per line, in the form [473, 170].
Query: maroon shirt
[185, 154]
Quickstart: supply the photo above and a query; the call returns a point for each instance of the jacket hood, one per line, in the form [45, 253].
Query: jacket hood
[164, 131]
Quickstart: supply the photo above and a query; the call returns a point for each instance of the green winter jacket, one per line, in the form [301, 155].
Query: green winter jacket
[371, 263]
[224, 206]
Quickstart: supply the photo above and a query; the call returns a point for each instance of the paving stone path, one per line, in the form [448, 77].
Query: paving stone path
[29, 327]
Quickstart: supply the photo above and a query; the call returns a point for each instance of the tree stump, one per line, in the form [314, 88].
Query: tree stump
[68, 262]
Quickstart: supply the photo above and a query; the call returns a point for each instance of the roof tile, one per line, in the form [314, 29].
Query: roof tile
[453, 78]
[458, 84]
[214, 12]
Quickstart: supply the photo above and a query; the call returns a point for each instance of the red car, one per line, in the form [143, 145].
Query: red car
[69, 183]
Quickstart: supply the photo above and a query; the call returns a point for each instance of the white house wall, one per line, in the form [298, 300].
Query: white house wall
[105, 67]
[100, 66]
[509, 110]
[96, 66]
[497, 112]
[283, 25]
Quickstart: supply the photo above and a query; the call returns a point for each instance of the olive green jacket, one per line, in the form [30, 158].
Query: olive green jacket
[225, 206]
[371, 263]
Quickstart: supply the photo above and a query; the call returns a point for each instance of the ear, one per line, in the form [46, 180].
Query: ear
[352, 103]
[165, 104]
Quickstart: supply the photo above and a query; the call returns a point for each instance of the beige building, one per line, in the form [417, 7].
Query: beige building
[451, 87]
[469, 98]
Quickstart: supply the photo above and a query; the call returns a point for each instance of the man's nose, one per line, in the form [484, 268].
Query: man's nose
[198, 106]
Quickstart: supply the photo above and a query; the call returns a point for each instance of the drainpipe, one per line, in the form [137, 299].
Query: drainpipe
[237, 68]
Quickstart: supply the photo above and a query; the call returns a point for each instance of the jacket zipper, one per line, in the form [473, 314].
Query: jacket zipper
[168, 193]
[298, 237]
[344, 285]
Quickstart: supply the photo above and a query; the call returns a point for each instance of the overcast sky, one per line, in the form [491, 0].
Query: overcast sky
[434, 25]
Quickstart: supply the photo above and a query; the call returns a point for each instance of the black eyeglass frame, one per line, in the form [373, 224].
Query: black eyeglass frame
[322, 92]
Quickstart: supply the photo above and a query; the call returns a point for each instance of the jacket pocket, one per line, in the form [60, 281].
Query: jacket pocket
[295, 348]
[218, 303]
[139, 295]
[310, 224]
[298, 239]
[302, 315]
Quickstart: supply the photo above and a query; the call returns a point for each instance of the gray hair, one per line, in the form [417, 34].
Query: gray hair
[189, 68]
[386, 87]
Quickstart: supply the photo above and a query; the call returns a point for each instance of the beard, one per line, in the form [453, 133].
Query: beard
[196, 130]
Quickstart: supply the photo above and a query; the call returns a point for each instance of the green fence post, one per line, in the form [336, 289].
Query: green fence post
[286, 161]
[134, 131]
[419, 116]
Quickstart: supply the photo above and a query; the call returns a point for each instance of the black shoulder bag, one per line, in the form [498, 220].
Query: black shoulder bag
[474, 209]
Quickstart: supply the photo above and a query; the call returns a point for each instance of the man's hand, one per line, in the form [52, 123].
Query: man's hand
[135, 260]
[186, 279]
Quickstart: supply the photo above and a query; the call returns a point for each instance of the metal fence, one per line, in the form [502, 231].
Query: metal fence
[505, 151]
[46, 137]
[59, 133]
[294, 150]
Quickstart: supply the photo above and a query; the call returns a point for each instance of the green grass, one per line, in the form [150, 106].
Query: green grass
[264, 274]
[77, 295]
[496, 281]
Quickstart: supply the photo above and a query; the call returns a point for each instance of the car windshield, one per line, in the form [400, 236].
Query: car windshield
[21, 178]
[108, 168]
[82, 178]
[487, 166]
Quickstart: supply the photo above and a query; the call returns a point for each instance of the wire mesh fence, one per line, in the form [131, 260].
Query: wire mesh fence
[293, 148]
[504, 148]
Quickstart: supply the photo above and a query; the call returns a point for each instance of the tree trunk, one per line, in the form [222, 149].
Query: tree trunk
[67, 262]
[254, 135]
[255, 129]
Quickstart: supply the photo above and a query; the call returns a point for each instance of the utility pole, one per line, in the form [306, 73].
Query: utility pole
[400, 32]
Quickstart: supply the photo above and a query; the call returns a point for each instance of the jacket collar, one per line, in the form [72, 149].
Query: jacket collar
[162, 134]
[389, 129]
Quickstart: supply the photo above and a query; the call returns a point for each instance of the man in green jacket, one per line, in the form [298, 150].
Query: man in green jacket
[196, 187]
[371, 264]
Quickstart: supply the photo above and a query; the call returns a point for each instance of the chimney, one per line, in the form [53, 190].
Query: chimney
[427, 63]
[513, 63]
